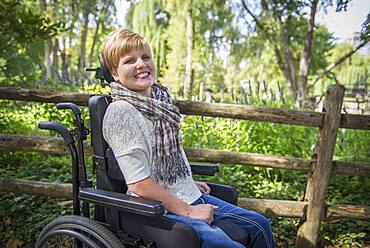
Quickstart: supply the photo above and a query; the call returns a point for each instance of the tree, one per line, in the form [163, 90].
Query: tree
[212, 30]
[150, 19]
[83, 25]
[86, 8]
[352, 73]
[22, 29]
[190, 33]
[281, 22]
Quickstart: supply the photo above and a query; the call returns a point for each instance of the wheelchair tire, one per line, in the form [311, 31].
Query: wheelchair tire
[64, 230]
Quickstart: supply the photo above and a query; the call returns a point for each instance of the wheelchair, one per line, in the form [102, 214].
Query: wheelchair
[119, 220]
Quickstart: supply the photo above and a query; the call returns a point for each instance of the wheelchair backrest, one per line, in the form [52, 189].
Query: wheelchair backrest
[108, 174]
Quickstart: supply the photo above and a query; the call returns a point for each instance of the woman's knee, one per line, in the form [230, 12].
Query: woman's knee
[263, 221]
[264, 234]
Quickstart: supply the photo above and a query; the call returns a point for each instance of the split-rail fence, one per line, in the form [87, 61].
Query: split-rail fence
[312, 210]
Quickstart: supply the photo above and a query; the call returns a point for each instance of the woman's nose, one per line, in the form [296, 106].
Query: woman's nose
[140, 63]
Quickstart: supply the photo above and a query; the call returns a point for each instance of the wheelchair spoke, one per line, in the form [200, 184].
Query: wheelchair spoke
[65, 240]
[76, 232]
[60, 241]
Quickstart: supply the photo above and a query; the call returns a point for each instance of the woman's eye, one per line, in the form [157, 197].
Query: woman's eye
[146, 57]
[129, 61]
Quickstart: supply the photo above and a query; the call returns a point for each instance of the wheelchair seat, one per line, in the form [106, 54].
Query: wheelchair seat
[136, 225]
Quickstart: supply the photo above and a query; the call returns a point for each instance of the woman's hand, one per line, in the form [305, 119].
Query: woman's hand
[150, 189]
[203, 187]
[202, 212]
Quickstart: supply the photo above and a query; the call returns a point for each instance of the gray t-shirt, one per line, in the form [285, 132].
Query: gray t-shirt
[131, 137]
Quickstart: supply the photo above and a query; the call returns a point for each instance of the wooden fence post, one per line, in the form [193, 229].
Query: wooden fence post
[308, 233]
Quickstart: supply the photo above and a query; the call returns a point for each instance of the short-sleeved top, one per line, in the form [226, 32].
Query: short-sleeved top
[131, 136]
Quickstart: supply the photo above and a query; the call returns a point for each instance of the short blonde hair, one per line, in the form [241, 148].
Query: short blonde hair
[120, 42]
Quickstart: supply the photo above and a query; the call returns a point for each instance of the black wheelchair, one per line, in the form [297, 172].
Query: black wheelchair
[119, 220]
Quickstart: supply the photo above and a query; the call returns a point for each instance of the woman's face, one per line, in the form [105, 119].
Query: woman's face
[136, 71]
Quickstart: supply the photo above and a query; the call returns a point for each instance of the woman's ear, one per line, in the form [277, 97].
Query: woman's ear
[115, 77]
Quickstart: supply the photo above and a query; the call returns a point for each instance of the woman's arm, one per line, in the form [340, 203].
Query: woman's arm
[150, 189]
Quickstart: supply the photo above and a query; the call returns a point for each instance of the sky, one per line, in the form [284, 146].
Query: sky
[341, 24]
[122, 8]
[344, 24]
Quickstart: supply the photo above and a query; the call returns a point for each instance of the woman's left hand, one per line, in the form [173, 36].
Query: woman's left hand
[203, 187]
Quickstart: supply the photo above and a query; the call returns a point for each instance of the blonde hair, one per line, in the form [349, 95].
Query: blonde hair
[120, 42]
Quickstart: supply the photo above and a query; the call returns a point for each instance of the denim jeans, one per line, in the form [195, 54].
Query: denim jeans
[255, 225]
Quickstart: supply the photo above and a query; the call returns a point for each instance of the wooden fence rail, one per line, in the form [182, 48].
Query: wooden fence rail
[271, 208]
[313, 210]
[235, 111]
[56, 146]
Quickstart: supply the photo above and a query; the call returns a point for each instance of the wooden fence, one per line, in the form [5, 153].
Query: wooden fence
[312, 210]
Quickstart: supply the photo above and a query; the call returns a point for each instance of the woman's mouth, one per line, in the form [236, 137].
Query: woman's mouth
[142, 75]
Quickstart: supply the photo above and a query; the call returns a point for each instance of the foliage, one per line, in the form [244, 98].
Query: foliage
[353, 73]
[228, 48]
[51, 41]
[164, 26]
[23, 30]
[24, 216]
[205, 132]
[150, 19]
[58, 39]
[42, 48]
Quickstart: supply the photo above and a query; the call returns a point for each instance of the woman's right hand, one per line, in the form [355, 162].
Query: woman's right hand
[202, 212]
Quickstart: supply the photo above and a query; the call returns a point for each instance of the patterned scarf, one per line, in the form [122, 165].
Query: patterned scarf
[168, 162]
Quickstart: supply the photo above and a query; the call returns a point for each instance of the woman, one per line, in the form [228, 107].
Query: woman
[142, 128]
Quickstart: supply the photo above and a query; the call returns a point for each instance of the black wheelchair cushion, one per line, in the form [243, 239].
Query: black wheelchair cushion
[113, 168]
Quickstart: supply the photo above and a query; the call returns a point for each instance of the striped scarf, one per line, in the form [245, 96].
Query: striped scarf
[168, 161]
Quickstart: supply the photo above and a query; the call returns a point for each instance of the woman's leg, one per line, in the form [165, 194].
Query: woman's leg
[256, 225]
[210, 236]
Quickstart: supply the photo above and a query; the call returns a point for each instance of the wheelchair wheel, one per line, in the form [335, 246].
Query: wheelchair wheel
[76, 231]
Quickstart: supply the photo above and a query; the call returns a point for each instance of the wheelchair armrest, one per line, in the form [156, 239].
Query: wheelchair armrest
[204, 169]
[224, 192]
[123, 202]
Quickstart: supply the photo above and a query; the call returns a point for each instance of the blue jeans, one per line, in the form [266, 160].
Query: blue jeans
[256, 226]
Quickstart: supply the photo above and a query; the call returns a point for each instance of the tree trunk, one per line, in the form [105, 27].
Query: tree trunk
[99, 20]
[95, 38]
[84, 31]
[55, 62]
[283, 65]
[47, 60]
[306, 56]
[64, 58]
[189, 48]
[289, 70]
[47, 47]
[71, 38]
[288, 67]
